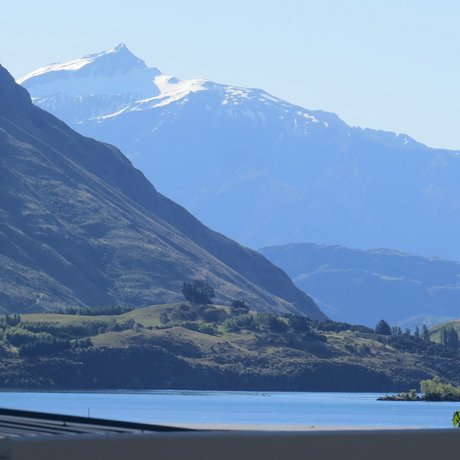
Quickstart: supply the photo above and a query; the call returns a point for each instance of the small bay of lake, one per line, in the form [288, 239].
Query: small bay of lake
[220, 408]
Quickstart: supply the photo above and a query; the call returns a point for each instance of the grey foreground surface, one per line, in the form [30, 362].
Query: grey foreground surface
[38, 436]
[344, 445]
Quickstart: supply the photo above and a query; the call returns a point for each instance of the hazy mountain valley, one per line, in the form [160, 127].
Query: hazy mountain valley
[255, 167]
[358, 286]
[94, 258]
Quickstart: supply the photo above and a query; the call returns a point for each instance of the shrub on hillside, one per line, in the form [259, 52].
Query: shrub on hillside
[95, 311]
[449, 337]
[69, 331]
[332, 326]
[12, 320]
[181, 313]
[362, 329]
[299, 323]
[383, 328]
[239, 307]
[235, 324]
[39, 347]
[212, 314]
[198, 292]
[81, 344]
[204, 328]
[271, 322]
[18, 337]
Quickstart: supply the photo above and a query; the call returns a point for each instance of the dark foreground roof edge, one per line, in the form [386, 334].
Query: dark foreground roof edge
[91, 421]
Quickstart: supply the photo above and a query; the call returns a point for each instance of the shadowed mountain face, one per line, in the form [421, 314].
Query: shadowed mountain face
[80, 226]
[280, 172]
[365, 286]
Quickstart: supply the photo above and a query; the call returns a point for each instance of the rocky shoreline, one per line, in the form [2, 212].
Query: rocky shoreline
[401, 397]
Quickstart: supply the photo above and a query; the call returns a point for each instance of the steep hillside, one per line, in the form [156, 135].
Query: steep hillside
[365, 286]
[79, 225]
[258, 168]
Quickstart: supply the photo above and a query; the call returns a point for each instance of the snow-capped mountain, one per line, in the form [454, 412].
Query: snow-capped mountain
[94, 85]
[256, 167]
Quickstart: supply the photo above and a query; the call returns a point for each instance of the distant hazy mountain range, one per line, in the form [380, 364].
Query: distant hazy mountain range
[80, 226]
[365, 286]
[258, 168]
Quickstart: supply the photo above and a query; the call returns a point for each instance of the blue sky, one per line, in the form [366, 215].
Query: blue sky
[391, 64]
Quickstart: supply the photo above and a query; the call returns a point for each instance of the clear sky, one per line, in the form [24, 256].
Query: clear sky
[392, 65]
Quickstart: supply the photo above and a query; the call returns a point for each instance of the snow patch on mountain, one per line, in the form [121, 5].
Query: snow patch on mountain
[113, 72]
[75, 64]
[111, 83]
[171, 90]
[117, 58]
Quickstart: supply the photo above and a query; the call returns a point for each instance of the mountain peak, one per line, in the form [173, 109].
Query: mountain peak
[115, 71]
[121, 47]
[115, 59]
[105, 63]
[118, 59]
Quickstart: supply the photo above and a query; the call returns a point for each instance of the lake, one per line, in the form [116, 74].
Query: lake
[225, 407]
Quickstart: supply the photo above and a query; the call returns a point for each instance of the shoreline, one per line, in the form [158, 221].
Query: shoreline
[261, 393]
[280, 427]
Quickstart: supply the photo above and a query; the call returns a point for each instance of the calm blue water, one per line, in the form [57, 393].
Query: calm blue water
[176, 407]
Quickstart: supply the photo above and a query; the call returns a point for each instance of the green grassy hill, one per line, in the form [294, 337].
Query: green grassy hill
[212, 347]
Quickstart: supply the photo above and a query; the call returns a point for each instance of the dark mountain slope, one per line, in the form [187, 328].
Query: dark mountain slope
[80, 226]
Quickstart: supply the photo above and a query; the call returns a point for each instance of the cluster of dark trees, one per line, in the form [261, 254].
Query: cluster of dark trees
[198, 292]
[12, 320]
[200, 295]
[205, 318]
[300, 326]
[45, 338]
[95, 311]
[337, 326]
[34, 344]
[78, 329]
[184, 312]
[435, 390]
[383, 328]
[449, 336]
